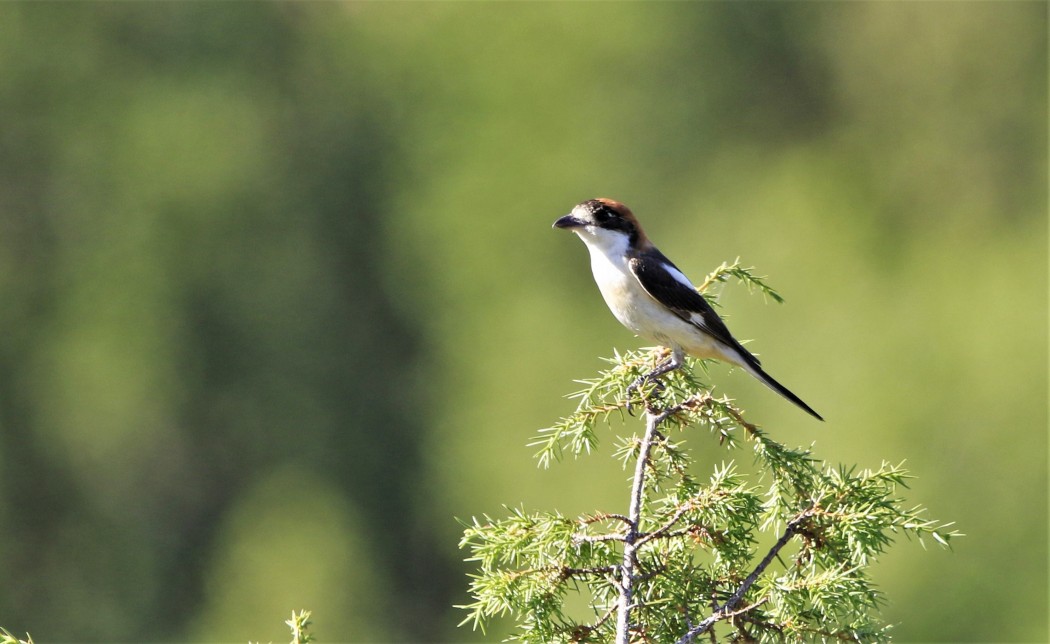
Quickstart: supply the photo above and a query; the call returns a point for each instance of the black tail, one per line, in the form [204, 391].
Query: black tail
[755, 370]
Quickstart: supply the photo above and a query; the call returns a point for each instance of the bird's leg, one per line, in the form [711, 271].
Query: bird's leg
[675, 361]
[672, 363]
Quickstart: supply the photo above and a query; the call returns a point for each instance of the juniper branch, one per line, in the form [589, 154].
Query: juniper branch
[743, 274]
[683, 558]
[634, 515]
[605, 516]
[665, 528]
[598, 538]
[728, 609]
[7, 638]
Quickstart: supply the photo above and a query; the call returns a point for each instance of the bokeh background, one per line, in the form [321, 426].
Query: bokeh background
[279, 297]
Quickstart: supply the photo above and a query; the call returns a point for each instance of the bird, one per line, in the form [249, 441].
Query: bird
[650, 296]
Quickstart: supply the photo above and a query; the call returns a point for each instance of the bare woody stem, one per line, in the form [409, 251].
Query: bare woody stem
[634, 538]
[631, 540]
[729, 608]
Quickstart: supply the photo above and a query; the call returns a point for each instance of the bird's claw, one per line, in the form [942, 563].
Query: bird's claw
[658, 388]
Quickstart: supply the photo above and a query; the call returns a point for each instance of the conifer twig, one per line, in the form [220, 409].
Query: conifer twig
[683, 558]
[728, 609]
[634, 537]
[631, 539]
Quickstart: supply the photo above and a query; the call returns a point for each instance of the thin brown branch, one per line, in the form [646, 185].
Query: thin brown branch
[597, 538]
[605, 516]
[729, 608]
[604, 618]
[628, 576]
[662, 530]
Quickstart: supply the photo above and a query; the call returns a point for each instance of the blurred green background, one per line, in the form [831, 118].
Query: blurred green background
[279, 296]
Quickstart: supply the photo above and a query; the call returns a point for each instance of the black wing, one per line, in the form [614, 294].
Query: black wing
[689, 305]
[685, 302]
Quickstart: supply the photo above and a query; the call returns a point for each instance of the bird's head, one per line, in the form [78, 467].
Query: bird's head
[604, 223]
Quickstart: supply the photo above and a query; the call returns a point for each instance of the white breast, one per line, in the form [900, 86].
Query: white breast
[625, 297]
[633, 307]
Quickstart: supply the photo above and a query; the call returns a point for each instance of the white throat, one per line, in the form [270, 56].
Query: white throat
[608, 250]
[611, 244]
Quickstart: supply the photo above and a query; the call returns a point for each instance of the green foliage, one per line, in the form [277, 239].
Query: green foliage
[695, 551]
[609, 393]
[7, 638]
[272, 260]
[299, 623]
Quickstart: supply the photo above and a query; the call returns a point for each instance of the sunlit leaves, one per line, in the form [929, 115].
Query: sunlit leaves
[702, 557]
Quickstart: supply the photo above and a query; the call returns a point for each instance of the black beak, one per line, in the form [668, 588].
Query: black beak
[568, 221]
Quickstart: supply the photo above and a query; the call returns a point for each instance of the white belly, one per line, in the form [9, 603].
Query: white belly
[640, 313]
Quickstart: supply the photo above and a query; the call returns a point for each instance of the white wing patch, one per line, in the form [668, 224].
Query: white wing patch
[678, 276]
[698, 319]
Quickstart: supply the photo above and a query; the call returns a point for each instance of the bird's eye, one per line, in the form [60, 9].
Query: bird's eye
[603, 214]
